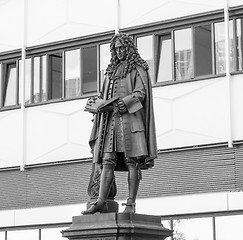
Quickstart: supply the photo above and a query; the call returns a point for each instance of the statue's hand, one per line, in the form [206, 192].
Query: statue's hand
[121, 106]
[91, 100]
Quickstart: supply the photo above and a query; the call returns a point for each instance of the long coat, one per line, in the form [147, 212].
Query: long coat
[137, 123]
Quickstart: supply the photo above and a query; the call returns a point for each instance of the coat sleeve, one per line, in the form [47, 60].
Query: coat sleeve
[133, 101]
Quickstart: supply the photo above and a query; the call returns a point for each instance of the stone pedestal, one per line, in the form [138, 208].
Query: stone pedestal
[116, 226]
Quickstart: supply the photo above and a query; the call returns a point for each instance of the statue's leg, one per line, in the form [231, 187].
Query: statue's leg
[134, 176]
[107, 178]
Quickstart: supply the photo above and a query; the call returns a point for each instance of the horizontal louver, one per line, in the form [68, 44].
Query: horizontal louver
[203, 170]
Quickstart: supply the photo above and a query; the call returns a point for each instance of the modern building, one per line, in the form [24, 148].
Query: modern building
[53, 54]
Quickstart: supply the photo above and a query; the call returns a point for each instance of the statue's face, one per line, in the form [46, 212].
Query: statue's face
[120, 50]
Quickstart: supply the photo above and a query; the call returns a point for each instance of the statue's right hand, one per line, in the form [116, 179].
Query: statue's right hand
[91, 100]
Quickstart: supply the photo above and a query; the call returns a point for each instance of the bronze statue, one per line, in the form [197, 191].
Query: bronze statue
[123, 135]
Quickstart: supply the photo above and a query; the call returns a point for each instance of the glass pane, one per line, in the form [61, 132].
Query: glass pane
[166, 223]
[2, 235]
[145, 49]
[104, 60]
[191, 229]
[229, 227]
[23, 234]
[9, 85]
[89, 69]
[36, 93]
[239, 41]
[164, 65]
[203, 50]
[183, 54]
[220, 46]
[27, 80]
[43, 79]
[72, 74]
[55, 83]
[52, 233]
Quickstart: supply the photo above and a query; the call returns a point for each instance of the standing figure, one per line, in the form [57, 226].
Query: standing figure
[123, 135]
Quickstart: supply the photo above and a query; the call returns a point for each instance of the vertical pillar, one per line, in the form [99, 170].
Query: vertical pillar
[228, 77]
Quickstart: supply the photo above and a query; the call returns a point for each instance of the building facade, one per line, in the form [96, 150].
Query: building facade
[53, 55]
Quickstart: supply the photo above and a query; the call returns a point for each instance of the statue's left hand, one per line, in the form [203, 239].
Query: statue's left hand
[121, 106]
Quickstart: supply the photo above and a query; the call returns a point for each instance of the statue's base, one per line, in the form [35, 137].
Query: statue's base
[116, 226]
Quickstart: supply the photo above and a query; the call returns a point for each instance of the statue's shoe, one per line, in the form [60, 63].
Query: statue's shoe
[130, 206]
[95, 207]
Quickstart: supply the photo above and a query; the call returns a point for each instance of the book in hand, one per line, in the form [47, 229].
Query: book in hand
[99, 104]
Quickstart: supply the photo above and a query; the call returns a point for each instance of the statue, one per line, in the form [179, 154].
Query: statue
[123, 134]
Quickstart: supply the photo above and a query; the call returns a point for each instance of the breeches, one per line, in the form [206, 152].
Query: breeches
[112, 158]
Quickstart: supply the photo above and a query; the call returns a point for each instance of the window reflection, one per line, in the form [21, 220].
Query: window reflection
[52, 233]
[104, 60]
[220, 46]
[229, 227]
[183, 54]
[145, 49]
[37, 78]
[239, 41]
[72, 74]
[55, 81]
[27, 80]
[164, 64]
[9, 84]
[43, 73]
[23, 234]
[89, 70]
[193, 229]
[203, 50]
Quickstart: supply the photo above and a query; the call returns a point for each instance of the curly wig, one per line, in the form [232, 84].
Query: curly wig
[133, 58]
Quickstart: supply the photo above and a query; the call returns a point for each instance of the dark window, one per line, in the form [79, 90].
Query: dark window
[55, 76]
[203, 50]
[89, 70]
[9, 93]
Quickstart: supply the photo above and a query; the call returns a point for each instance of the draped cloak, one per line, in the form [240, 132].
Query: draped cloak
[99, 131]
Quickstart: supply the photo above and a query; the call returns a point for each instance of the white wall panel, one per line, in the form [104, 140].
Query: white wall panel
[184, 204]
[10, 138]
[11, 27]
[58, 132]
[141, 12]
[57, 20]
[237, 106]
[191, 113]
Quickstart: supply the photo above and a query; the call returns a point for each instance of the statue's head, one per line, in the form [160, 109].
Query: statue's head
[122, 48]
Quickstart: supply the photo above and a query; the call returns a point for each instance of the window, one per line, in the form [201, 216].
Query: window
[203, 50]
[224, 232]
[104, 60]
[239, 44]
[183, 54]
[145, 49]
[2, 235]
[9, 84]
[164, 59]
[72, 74]
[55, 76]
[220, 47]
[191, 229]
[52, 233]
[23, 234]
[89, 70]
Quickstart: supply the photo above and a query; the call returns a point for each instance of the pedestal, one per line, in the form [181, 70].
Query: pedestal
[116, 226]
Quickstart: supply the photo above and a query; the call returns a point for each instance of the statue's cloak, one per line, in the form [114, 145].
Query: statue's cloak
[97, 133]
